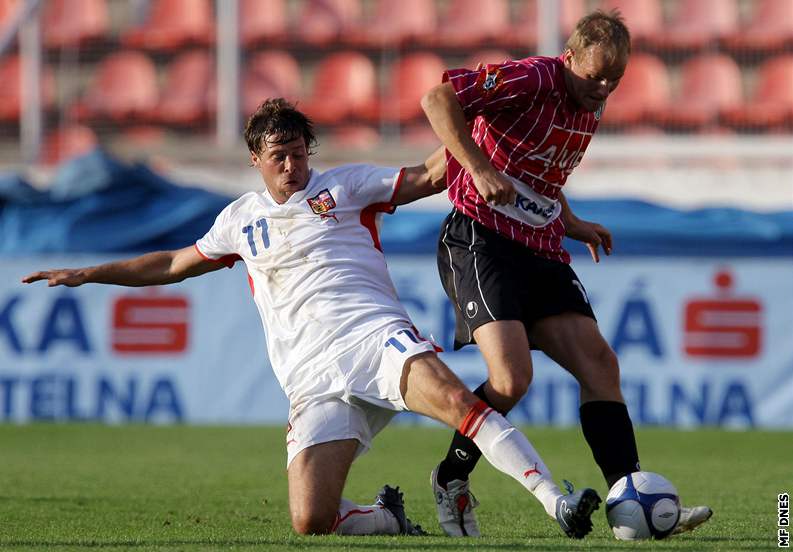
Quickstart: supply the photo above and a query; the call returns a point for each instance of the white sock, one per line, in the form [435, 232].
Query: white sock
[508, 450]
[353, 519]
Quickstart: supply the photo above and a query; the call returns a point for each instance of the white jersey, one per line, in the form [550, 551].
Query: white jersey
[318, 276]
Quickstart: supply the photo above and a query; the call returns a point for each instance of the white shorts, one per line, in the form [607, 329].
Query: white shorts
[367, 398]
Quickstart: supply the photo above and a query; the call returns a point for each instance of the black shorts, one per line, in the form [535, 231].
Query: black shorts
[489, 277]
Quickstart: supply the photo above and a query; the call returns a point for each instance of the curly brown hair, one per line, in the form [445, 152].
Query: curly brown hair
[277, 121]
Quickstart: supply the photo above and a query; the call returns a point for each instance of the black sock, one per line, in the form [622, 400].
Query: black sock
[608, 429]
[463, 454]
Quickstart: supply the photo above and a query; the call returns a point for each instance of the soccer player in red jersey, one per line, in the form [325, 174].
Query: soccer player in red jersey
[514, 132]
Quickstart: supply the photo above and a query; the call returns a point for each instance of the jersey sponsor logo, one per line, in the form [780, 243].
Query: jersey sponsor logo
[530, 207]
[322, 202]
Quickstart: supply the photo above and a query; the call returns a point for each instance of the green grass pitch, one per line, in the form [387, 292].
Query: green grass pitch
[77, 487]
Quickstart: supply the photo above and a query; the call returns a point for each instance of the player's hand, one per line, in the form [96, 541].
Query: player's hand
[592, 234]
[495, 188]
[70, 277]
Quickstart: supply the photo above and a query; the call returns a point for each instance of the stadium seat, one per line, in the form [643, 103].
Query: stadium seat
[770, 106]
[643, 92]
[184, 99]
[523, 33]
[74, 23]
[345, 85]
[270, 74]
[644, 18]
[124, 89]
[472, 23]
[409, 78]
[11, 93]
[356, 136]
[698, 23]
[66, 143]
[770, 27]
[484, 57]
[708, 83]
[262, 21]
[322, 22]
[173, 24]
[396, 23]
[8, 10]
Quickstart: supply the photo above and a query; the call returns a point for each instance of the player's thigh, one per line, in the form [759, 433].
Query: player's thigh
[574, 341]
[316, 480]
[430, 388]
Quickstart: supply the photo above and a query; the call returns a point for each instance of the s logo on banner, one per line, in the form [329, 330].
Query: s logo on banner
[723, 326]
[150, 324]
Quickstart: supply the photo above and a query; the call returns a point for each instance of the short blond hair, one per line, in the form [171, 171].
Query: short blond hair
[601, 29]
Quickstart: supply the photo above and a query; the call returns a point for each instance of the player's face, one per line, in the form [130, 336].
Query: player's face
[284, 167]
[592, 75]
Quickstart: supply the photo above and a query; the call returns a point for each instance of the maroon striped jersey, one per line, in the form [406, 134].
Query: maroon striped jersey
[532, 130]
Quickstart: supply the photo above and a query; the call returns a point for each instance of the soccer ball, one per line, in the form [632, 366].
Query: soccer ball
[642, 505]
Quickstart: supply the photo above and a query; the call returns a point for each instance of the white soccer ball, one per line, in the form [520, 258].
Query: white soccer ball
[642, 505]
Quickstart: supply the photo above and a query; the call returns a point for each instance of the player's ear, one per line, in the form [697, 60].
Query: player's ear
[567, 57]
[254, 160]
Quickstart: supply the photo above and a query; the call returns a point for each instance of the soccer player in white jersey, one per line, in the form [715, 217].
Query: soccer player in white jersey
[341, 345]
[500, 253]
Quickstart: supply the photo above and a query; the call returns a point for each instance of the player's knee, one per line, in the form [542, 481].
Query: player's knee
[512, 386]
[312, 523]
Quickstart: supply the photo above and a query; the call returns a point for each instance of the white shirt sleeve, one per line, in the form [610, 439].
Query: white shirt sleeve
[369, 184]
[217, 243]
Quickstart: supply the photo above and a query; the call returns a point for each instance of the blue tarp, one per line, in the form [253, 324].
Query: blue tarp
[98, 204]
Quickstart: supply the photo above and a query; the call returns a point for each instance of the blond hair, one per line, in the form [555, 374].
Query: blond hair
[599, 28]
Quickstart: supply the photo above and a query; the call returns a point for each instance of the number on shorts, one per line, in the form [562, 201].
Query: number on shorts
[396, 344]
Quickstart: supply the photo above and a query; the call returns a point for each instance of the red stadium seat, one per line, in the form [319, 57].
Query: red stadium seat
[124, 89]
[396, 23]
[345, 85]
[66, 143]
[771, 104]
[270, 74]
[471, 23]
[11, 92]
[262, 21]
[770, 27]
[173, 24]
[8, 10]
[484, 57]
[643, 92]
[360, 137]
[709, 83]
[698, 23]
[184, 100]
[644, 18]
[523, 33]
[323, 22]
[74, 23]
[409, 78]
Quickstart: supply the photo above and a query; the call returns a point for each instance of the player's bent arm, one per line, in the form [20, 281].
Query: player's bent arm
[447, 118]
[160, 267]
[423, 180]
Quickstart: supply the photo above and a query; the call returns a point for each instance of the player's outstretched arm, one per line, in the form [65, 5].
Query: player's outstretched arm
[160, 267]
[423, 180]
[446, 116]
[592, 234]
